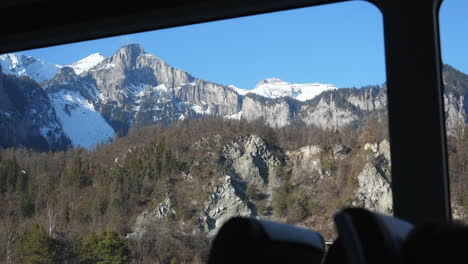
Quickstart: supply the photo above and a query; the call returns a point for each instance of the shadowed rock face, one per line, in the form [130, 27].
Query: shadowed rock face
[27, 118]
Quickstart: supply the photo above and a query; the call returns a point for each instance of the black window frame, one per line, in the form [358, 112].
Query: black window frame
[413, 64]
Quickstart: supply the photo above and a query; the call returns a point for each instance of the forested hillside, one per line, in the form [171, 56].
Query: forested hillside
[159, 194]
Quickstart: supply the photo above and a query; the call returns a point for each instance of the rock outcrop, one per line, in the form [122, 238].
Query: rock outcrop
[306, 163]
[226, 201]
[374, 182]
[251, 160]
[164, 210]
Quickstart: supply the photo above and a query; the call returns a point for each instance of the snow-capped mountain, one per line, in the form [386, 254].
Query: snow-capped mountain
[134, 88]
[275, 88]
[87, 63]
[40, 70]
[22, 65]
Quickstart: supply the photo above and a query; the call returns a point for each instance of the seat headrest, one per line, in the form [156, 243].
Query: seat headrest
[369, 237]
[436, 243]
[243, 240]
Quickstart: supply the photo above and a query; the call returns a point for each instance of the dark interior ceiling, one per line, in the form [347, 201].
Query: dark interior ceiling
[31, 24]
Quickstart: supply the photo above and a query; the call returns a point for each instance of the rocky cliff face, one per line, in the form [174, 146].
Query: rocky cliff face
[133, 87]
[327, 114]
[374, 182]
[251, 163]
[227, 201]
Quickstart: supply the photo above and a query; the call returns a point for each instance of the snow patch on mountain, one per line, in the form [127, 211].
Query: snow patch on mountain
[138, 89]
[80, 121]
[87, 63]
[240, 90]
[237, 116]
[202, 110]
[22, 65]
[275, 88]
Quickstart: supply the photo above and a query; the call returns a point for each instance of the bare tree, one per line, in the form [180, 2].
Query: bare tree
[52, 223]
[9, 242]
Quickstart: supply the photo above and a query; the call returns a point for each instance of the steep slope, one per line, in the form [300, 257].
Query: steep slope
[72, 99]
[134, 87]
[27, 117]
[456, 92]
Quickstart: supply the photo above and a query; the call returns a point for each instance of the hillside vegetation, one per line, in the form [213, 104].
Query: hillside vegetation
[147, 197]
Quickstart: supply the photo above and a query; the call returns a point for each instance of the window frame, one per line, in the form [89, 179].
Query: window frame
[413, 64]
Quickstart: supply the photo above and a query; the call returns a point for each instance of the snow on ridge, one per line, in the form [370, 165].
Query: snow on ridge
[274, 88]
[87, 63]
[22, 65]
[80, 121]
[239, 90]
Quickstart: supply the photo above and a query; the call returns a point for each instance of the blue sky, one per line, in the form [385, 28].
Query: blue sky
[341, 44]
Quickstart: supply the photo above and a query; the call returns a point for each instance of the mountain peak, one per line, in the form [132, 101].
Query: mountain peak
[274, 88]
[133, 48]
[22, 65]
[127, 55]
[87, 63]
[270, 81]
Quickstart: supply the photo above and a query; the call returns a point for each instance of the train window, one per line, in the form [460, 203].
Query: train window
[455, 78]
[143, 149]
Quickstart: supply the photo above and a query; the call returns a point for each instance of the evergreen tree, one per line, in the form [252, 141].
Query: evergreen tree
[104, 247]
[35, 247]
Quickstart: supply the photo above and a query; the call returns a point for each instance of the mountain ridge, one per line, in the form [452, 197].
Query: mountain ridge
[135, 88]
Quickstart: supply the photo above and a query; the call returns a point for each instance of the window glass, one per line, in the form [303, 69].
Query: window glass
[454, 39]
[139, 147]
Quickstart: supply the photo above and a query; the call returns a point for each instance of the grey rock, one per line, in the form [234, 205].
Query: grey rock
[327, 114]
[455, 114]
[250, 159]
[306, 163]
[275, 113]
[224, 203]
[340, 151]
[374, 182]
[151, 216]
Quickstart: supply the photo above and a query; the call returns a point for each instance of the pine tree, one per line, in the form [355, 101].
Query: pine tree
[35, 247]
[105, 247]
